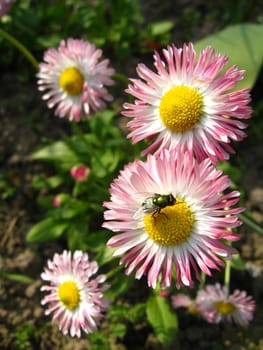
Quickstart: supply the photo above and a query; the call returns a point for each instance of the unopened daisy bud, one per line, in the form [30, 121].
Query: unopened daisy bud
[75, 79]
[60, 199]
[56, 201]
[164, 293]
[79, 173]
[75, 296]
[216, 305]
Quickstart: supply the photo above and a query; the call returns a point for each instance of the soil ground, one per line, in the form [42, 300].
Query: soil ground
[20, 310]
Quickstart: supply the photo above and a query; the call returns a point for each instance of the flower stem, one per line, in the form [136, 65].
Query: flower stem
[79, 132]
[20, 47]
[227, 275]
[120, 77]
[251, 223]
[114, 271]
[203, 280]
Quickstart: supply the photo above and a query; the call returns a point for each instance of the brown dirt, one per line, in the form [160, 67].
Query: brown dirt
[20, 310]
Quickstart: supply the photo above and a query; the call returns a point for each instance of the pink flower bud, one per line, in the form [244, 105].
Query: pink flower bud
[164, 294]
[79, 173]
[56, 201]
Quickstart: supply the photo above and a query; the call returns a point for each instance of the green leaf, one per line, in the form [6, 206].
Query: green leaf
[159, 28]
[136, 313]
[237, 262]
[16, 277]
[118, 330]
[99, 341]
[162, 319]
[58, 152]
[46, 230]
[242, 43]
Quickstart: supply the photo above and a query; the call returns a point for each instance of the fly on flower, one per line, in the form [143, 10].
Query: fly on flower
[180, 225]
[155, 202]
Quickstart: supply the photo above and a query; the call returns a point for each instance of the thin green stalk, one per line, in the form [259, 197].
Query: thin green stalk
[251, 223]
[120, 77]
[111, 273]
[20, 47]
[203, 279]
[227, 275]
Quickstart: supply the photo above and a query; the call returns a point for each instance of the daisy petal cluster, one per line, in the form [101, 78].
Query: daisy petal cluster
[215, 305]
[188, 234]
[75, 296]
[188, 104]
[74, 79]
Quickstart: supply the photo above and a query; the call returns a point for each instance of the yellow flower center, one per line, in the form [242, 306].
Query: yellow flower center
[71, 81]
[68, 293]
[171, 226]
[181, 108]
[224, 307]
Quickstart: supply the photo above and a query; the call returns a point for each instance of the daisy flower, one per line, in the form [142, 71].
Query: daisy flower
[216, 305]
[188, 104]
[75, 79]
[172, 214]
[75, 297]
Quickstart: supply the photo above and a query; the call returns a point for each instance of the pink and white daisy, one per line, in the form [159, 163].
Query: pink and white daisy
[188, 104]
[75, 79]
[216, 305]
[5, 6]
[186, 235]
[75, 297]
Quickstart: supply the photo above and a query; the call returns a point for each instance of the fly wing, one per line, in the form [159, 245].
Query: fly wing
[145, 203]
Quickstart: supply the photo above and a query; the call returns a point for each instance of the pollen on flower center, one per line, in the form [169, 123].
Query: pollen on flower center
[224, 307]
[171, 226]
[71, 81]
[181, 108]
[68, 293]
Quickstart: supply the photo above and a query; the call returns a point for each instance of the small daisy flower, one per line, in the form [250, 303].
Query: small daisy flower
[5, 6]
[188, 104]
[172, 213]
[75, 297]
[216, 305]
[75, 78]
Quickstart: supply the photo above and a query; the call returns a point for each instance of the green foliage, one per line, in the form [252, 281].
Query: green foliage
[46, 230]
[23, 335]
[99, 341]
[162, 318]
[16, 277]
[9, 184]
[242, 44]
[237, 262]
